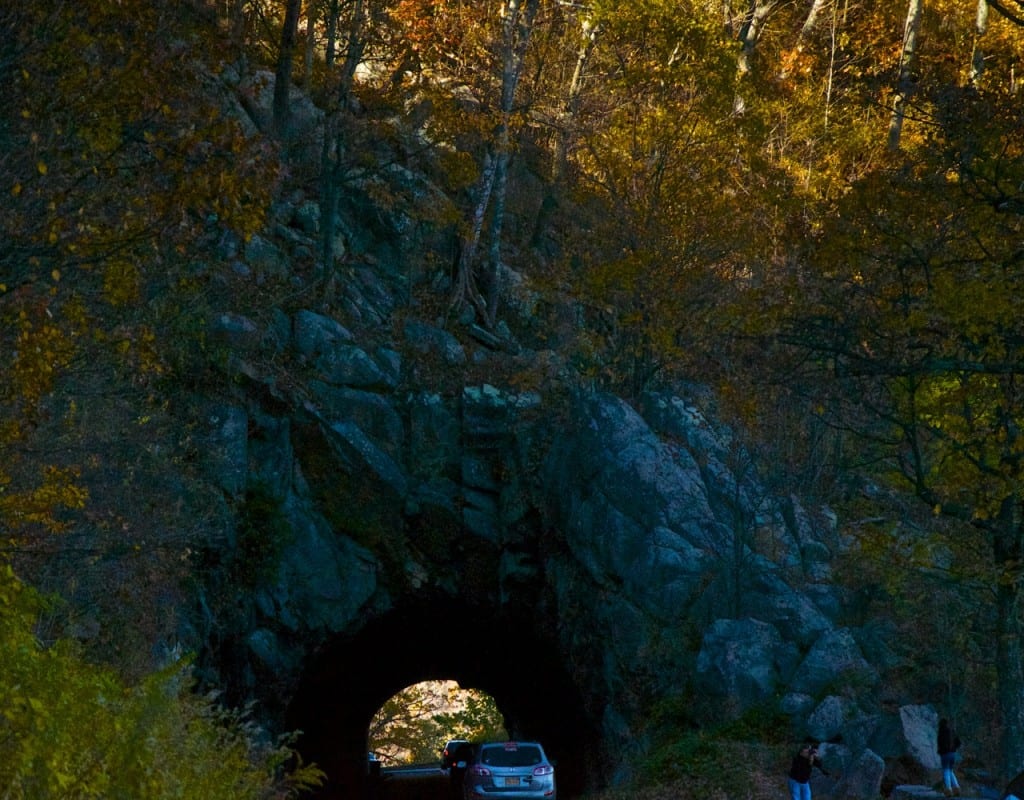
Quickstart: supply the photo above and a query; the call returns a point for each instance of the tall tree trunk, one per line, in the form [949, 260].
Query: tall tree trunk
[589, 31]
[490, 277]
[1009, 554]
[465, 288]
[728, 17]
[283, 73]
[333, 150]
[905, 82]
[330, 46]
[516, 30]
[811, 20]
[1010, 677]
[833, 47]
[354, 48]
[749, 35]
[978, 54]
[236, 21]
[565, 125]
[307, 61]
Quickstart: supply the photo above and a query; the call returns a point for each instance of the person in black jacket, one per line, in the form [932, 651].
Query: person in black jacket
[948, 744]
[804, 762]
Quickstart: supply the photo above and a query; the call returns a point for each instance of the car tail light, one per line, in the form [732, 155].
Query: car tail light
[480, 771]
[543, 769]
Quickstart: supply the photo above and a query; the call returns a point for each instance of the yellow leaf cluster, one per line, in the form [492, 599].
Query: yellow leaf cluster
[72, 729]
[42, 505]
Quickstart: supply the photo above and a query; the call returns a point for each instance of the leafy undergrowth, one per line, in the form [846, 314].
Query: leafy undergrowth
[759, 785]
[745, 759]
[72, 729]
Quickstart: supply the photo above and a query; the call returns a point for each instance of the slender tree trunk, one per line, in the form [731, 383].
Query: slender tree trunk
[728, 18]
[465, 288]
[905, 82]
[491, 271]
[833, 46]
[749, 35]
[283, 73]
[1010, 677]
[354, 49]
[978, 54]
[811, 20]
[333, 150]
[330, 158]
[518, 25]
[330, 47]
[236, 21]
[1009, 553]
[567, 118]
[235, 18]
[565, 129]
[307, 61]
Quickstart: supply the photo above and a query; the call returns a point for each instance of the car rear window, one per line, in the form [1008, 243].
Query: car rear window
[503, 756]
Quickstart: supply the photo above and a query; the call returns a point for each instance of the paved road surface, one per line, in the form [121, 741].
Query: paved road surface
[415, 783]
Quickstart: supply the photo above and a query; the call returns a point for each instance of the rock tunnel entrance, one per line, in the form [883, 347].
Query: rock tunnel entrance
[503, 654]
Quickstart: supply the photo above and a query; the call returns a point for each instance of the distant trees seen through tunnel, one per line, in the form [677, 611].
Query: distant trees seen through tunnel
[414, 724]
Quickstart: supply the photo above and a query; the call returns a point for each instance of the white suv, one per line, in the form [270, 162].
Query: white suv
[510, 769]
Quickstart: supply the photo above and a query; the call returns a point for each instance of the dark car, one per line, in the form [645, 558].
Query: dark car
[449, 751]
[509, 769]
[461, 758]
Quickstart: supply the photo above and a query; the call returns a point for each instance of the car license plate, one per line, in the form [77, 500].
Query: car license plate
[511, 781]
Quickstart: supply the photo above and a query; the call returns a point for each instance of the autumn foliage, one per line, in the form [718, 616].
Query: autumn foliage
[115, 161]
[716, 187]
[113, 170]
[73, 729]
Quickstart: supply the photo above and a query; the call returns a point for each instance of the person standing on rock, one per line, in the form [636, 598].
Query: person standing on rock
[948, 744]
[800, 771]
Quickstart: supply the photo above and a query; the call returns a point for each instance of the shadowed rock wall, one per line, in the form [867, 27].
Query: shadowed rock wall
[580, 558]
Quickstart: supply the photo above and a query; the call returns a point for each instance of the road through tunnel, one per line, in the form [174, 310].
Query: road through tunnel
[502, 654]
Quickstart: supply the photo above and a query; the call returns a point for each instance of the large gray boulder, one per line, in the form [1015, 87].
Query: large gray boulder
[830, 718]
[919, 725]
[741, 663]
[834, 662]
[862, 780]
[315, 334]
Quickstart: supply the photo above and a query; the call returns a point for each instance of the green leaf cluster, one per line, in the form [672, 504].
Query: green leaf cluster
[70, 729]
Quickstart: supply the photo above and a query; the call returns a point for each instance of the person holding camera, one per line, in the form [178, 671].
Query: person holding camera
[804, 762]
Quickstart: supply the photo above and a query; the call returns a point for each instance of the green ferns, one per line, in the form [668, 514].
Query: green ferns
[70, 729]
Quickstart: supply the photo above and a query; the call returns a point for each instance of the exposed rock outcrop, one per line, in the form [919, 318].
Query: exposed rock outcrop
[632, 536]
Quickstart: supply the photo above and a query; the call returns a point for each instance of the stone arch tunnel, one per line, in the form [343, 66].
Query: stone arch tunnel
[505, 654]
[565, 576]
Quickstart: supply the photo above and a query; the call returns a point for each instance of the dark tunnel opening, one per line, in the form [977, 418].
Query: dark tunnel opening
[506, 656]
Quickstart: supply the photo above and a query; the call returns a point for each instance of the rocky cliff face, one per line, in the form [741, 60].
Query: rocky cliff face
[632, 544]
[400, 508]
